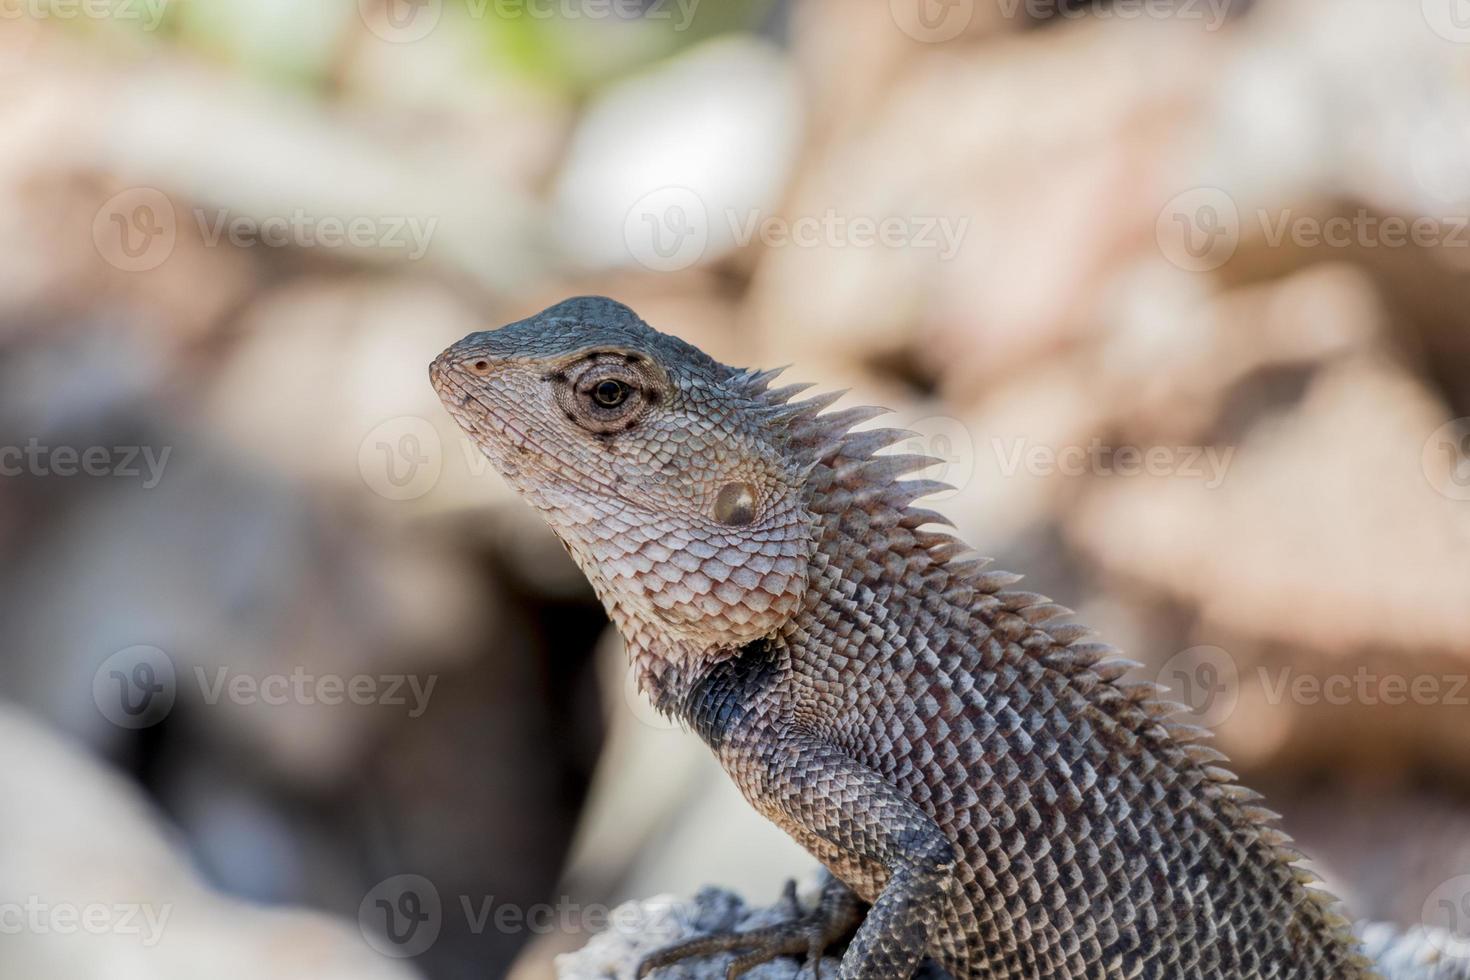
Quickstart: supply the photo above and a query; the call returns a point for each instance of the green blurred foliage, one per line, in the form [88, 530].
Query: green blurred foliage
[570, 46]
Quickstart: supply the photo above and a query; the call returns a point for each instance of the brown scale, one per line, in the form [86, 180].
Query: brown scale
[972, 768]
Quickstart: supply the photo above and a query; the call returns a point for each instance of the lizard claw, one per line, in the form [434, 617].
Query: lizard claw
[811, 933]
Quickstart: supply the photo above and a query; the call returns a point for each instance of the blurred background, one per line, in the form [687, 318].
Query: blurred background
[291, 686]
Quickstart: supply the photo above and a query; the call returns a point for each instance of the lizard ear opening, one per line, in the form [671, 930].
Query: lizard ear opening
[735, 504]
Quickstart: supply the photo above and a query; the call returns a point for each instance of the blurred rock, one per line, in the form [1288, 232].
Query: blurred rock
[1279, 563]
[1422, 953]
[319, 510]
[664, 168]
[1011, 213]
[100, 889]
[1384, 854]
[88, 243]
[330, 381]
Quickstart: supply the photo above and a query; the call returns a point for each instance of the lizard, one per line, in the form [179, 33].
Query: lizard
[988, 789]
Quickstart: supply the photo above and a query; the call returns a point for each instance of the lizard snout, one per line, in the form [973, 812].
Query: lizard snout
[462, 360]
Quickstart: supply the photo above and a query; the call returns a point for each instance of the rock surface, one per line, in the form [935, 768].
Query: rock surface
[96, 884]
[638, 928]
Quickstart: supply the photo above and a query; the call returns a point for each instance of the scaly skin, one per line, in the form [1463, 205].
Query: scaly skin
[970, 766]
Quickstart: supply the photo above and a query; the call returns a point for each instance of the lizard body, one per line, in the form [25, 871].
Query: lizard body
[964, 761]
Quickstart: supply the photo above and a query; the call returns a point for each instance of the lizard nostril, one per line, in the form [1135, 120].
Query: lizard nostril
[480, 366]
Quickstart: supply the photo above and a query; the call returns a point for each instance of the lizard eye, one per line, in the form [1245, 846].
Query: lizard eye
[610, 393]
[605, 395]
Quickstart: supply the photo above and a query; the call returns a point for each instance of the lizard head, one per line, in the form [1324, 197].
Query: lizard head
[656, 465]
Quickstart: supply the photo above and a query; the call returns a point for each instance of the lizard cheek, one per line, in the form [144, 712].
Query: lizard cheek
[735, 504]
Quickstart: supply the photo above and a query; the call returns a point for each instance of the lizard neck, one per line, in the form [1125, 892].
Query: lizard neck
[664, 680]
[666, 669]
